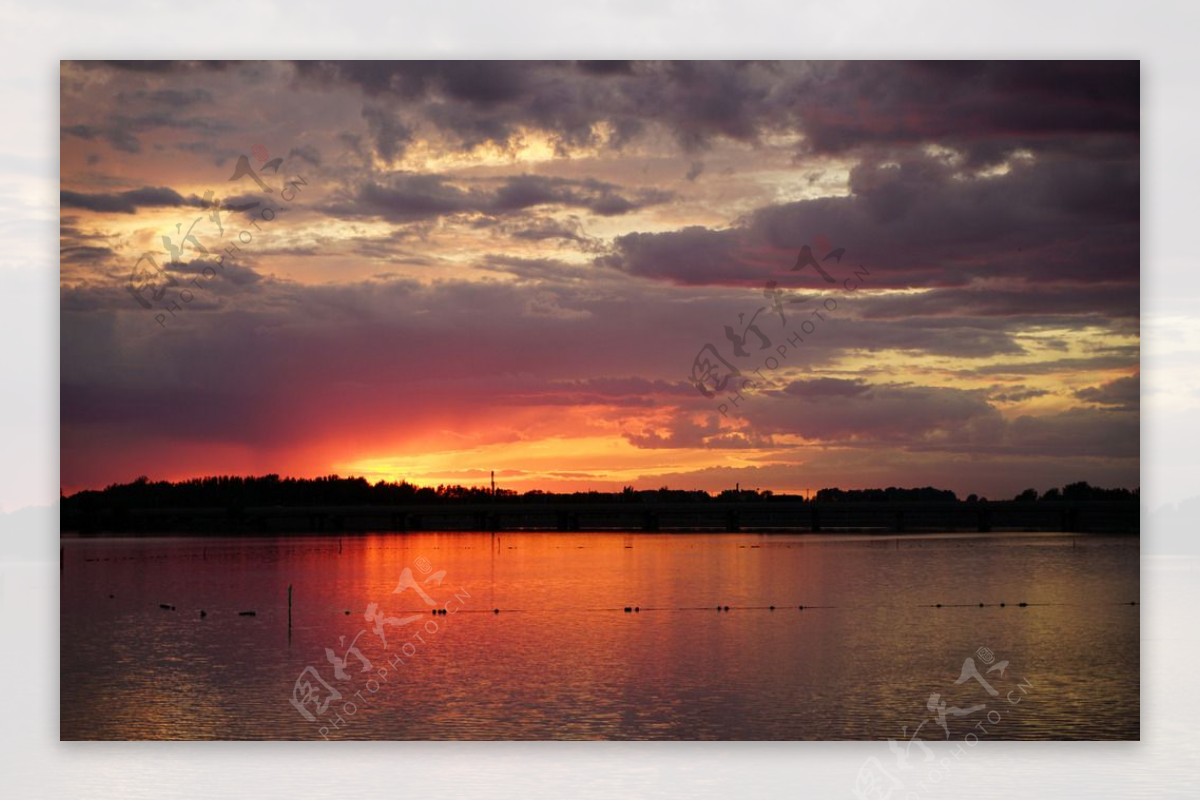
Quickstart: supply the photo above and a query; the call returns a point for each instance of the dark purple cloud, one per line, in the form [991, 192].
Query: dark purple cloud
[1121, 393]
[128, 202]
[986, 108]
[406, 197]
[1061, 236]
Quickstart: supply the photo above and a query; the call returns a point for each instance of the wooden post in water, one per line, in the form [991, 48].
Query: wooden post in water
[289, 613]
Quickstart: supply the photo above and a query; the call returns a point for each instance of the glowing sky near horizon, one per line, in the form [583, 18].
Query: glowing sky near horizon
[512, 267]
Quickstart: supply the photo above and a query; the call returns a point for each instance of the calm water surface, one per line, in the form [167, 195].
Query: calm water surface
[563, 660]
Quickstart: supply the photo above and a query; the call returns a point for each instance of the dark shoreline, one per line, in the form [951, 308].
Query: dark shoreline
[791, 517]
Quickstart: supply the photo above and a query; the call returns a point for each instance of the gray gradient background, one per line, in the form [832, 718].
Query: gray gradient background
[35, 36]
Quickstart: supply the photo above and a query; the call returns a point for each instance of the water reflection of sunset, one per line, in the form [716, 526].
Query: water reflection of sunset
[563, 659]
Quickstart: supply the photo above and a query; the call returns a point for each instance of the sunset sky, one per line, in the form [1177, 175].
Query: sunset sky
[512, 266]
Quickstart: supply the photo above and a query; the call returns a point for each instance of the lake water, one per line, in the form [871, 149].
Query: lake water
[563, 659]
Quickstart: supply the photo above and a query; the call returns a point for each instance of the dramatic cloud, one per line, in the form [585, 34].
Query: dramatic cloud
[127, 202]
[437, 268]
[987, 109]
[1122, 393]
[408, 197]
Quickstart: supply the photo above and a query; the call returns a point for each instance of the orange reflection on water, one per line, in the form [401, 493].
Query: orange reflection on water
[563, 659]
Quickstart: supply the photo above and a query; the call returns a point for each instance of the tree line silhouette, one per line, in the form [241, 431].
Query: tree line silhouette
[333, 490]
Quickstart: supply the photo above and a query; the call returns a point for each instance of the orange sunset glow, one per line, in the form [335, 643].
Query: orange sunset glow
[429, 271]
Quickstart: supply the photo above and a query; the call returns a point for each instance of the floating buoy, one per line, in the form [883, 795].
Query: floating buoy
[347, 611]
[629, 609]
[801, 607]
[110, 595]
[771, 608]
[203, 614]
[727, 609]
[247, 614]
[1002, 604]
[981, 604]
[637, 608]
[1022, 604]
[166, 606]
[495, 611]
[939, 606]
